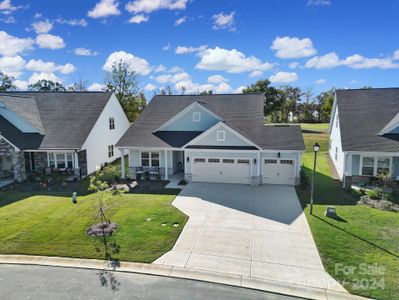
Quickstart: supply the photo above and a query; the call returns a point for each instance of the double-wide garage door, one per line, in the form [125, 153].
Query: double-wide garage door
[225, 170]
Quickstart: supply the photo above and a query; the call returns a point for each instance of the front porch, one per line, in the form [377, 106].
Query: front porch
[154, 164]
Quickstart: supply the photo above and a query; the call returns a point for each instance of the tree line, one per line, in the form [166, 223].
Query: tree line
[285, 104]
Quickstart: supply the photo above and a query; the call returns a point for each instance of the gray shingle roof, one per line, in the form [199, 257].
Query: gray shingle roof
[67, 117]
[363, 114]
[242, 112]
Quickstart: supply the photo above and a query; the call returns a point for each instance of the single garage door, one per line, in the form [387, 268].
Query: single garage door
[279, 171]
[225, 170]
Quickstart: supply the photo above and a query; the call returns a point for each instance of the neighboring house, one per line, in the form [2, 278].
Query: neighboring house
[213, 138]
[67, 131]
[363, 124]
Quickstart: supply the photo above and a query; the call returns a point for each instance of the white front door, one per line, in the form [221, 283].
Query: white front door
[279, 171]
[224, 170]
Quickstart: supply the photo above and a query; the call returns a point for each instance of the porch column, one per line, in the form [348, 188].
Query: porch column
[123, 171]
[259, 163]
[76, 164]
[166, 164]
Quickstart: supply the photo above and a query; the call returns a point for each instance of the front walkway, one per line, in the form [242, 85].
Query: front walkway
[259, 232]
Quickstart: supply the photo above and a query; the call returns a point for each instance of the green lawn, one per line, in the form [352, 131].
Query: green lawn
[362, 237]
[47, 223]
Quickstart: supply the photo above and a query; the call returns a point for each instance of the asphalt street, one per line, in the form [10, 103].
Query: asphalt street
[38, 282]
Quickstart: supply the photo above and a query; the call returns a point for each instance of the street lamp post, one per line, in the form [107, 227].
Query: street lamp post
[316, 148]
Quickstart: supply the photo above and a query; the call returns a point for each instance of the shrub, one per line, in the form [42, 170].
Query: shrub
[304, 179]
[372, 194]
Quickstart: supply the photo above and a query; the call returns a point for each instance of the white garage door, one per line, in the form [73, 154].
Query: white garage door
[279, 171]
[226, 170]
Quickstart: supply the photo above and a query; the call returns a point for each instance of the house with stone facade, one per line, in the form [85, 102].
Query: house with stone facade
[73, 133]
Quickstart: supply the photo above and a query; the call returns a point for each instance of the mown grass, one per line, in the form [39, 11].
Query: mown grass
[362, 237]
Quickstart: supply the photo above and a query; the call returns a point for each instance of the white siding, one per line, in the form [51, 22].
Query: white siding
[101, 136]
[336, 154]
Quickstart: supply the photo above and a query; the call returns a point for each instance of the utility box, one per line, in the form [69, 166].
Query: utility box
[74, 197]
[331, 212]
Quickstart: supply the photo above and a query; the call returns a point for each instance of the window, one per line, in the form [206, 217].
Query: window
[383, 165]
[110, 151]
[368, 166]
[111, 123]
[336, 122]
[196, 116]
[286, 162]
[228, 161]
[221, 136]
[199, 160]
[270, 161]
[214, 160]
[150, 159]
[60, 160]
[243, 161]
[336, 153]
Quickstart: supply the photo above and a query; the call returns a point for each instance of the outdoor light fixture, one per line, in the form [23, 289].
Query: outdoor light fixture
[316, 148]
[254, 161]
[278, 155]
[188, 159]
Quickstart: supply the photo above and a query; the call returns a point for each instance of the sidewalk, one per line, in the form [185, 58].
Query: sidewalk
[177, 272]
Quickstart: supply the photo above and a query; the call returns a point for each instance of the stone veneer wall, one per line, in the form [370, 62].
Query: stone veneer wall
[18, 160]
[40, 160]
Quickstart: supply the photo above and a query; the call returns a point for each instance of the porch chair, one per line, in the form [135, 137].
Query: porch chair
[139, 173]
[154, 173]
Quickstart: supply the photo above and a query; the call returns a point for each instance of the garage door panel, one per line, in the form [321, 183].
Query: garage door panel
[225, 170]
[278, 171]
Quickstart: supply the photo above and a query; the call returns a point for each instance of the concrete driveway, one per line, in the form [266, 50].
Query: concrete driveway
[255, 231]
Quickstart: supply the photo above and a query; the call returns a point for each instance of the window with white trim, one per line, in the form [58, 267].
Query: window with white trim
[60, 160]
[111, 123]
[149, 159]
[199, 160]
[228, 161]
[336, 122]
[196, 116]
[372, 166]
[286, 162]
[213, 160]
[110, 151]
[220, 135]
[270, 161]
[243, 161]
[336, 153]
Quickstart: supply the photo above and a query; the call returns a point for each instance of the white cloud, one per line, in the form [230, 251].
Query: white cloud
[49, 41]
[172, 78]
[85, 52]
[150, 87]
[159, 69]
[327, 61]
[230, 61]
[42, 26]
[193, 87]
[46, 76]
[136, 64]
[175, 69]
[10, 45]
[223, 88]
[185, 50]
[12, 66]
[7, 8]
[148, 6]
[239, 89]
[293, 65]
[223, 21]
[72, 22]
[94, 87]
[66, 69]
[104, 8]
[320, 81]
[167, 47]
[8, 20]
[37, 15]
[284, 77]
[137, 19]
[293, 47]
[37, 65]
[180, 21]
[356, 61]
[21, 85]
[319, 2]
[396, 55]
[256, 74]
[217, 79]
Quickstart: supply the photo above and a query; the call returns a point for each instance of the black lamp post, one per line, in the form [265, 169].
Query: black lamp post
[316, 148]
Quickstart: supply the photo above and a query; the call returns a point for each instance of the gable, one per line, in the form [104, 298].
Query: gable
[220, 135]
[193, 118]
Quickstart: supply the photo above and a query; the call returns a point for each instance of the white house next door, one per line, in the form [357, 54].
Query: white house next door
[278, 171]
[224, 170]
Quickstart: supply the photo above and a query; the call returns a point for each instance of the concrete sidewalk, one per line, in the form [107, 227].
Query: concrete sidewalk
[187, 273]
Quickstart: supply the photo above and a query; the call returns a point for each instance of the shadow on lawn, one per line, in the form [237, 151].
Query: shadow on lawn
[356, 236]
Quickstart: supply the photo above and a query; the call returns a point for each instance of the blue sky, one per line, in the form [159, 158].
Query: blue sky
[203, 44]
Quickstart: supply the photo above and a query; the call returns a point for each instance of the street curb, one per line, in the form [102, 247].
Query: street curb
[181, 273]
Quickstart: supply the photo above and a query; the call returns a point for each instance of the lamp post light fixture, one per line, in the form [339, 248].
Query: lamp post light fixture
[316, 148]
